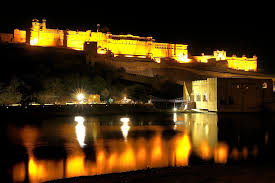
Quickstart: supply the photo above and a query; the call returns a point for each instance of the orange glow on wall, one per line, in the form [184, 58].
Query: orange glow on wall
[234, 62]
[19, 36]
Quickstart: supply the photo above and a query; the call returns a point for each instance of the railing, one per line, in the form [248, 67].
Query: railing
[176, 100]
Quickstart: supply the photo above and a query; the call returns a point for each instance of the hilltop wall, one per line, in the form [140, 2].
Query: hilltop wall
[145, 47]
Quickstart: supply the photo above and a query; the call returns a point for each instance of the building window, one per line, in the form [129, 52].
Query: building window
[198, 97]
[204, 98]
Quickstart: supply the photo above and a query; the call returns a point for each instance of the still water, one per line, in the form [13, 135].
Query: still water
[37, 150]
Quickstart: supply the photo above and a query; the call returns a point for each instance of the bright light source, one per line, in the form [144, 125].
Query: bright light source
[80, 96]
[124, 120]
[175, 109]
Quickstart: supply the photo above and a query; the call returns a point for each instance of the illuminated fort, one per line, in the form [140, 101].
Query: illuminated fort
[121, 45]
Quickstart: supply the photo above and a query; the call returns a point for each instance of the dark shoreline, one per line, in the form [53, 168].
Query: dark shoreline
[97, 109]
[77, 109]
[203, 173]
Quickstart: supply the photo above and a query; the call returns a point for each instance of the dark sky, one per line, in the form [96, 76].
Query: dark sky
[235, 26]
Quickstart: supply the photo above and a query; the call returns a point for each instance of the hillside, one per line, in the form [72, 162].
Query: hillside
[44, 74]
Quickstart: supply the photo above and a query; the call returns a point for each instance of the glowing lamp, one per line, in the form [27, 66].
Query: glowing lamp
[80, 96]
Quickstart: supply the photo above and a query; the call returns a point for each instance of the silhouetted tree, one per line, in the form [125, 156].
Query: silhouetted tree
[10, 94]
[105, 94]
[98, 85]
[53, 91]
[138, 93]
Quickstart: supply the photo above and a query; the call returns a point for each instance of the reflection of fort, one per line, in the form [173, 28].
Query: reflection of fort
[107, 151]
[111, 154]
[115, 154]
[203, 132]
[133, 47]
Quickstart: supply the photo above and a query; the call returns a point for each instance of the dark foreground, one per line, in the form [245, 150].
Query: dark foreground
[194, 174]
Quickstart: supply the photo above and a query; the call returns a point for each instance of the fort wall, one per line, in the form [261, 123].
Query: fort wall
[234, 62]
[128, 45]
[19, 36]
[125, 45]
[6, 38]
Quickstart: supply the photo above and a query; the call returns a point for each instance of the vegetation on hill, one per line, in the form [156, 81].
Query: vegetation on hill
[50, 75]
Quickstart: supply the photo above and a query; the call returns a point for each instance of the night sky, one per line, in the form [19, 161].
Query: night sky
[237, 27]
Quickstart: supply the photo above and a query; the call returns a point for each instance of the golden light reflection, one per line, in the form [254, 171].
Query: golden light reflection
[204, 132]
[125, 127]
[18, 172]
[196, 134]
[44, 170]
[132, 154]
[221, 153]
[183, 150]
[80, 130]
[75, 165]
[29, 136]
[245, 152]
[205, 150]
[127, 159]
[157, 150]
[255, 151]
[175, 118]
[235, 155]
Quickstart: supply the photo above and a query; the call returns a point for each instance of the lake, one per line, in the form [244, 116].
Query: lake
[37, 150]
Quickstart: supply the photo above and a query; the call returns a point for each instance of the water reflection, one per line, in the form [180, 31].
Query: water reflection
[221, 153]
[203, 131]
[122, 144]
[125, 126]
[80, 130]
[175, 118]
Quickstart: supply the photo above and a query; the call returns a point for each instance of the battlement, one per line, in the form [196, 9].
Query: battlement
[127, 45]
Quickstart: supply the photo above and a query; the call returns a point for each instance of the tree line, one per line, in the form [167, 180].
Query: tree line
[47, 75]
